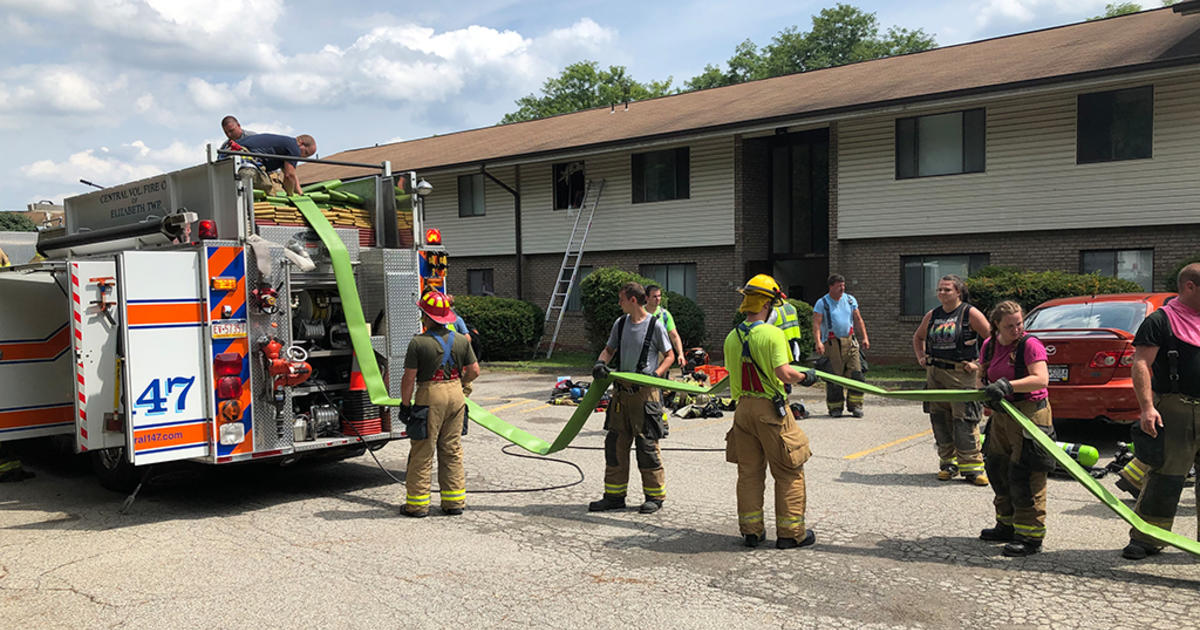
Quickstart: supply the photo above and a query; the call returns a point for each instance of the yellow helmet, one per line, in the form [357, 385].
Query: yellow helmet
[762, 284]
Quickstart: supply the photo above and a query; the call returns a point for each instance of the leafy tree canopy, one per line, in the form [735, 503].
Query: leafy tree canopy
[13, 222]
[583, 85]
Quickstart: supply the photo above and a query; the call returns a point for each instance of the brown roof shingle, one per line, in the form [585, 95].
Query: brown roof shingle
[1139, 41]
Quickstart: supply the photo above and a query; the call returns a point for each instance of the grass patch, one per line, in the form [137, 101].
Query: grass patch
[565, 360]
[896, 372]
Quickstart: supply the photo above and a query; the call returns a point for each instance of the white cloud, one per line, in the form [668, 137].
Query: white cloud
[105, 171]
[208, 96]
[992, 13]
[50, 89]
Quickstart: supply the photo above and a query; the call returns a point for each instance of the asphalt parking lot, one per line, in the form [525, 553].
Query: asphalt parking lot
[321, 545]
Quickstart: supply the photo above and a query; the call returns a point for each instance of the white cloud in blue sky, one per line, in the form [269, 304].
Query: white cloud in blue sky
[114, 90]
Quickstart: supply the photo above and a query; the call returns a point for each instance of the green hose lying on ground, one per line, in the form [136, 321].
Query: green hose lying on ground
[361, 341]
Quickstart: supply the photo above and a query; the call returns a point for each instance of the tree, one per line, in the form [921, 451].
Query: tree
[840, 35]
[583, 85]
[13, 222]
[1114, 9]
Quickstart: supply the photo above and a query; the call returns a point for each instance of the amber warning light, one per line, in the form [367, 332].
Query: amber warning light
[433, 236]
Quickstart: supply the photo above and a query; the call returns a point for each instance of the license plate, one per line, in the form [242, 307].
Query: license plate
[1059, 373]
[228, 330]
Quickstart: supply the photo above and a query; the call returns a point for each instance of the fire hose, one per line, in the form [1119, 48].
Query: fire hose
[361, 342]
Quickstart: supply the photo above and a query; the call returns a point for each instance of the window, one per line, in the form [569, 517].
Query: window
[568, 185]
[470, 195]
[940, 144]
[574, 302]
[1129, 264]
[479, 282]
[660, 175]
[1116, 125]
[921, 274]
[680, 278]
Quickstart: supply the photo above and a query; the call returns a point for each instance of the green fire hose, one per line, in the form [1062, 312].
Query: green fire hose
[361, 342]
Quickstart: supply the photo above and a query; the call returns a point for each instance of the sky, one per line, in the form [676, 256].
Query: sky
[115, 90]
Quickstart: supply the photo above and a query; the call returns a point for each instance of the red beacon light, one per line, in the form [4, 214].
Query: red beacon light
[433, 236]
[208, 229]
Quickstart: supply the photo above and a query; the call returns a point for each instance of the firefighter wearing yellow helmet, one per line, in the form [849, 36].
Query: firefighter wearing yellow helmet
[438, 365]
[764, 431]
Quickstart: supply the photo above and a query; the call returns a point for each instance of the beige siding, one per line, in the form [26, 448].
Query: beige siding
[488, 235]
[705, 218]
[1031, 180]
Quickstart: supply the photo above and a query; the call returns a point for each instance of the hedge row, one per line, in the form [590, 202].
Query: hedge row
[991, 285]
[598, 295]
[508, 328]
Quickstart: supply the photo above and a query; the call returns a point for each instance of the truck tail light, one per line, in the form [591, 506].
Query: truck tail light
[229, 387]
[228, 364]
[1112, 358]
[208, 229]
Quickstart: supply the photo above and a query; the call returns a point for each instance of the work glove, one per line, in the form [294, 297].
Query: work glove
[809, 379]
[600, 370]
[999, 389]
[403, 413]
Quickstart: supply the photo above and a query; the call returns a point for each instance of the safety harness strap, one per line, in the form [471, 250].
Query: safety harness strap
[646, 343]
[446, 370]
[744, 336]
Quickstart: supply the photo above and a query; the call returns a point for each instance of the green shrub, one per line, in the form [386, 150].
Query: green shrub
[598, 295]
[804, 313]
[1171, 281]
[508, 328]
[1031, 288]
[13, 222]
[689, 319]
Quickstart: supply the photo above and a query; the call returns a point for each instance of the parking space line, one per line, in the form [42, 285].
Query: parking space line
[889, 444]
[536, 408]
[517, 402]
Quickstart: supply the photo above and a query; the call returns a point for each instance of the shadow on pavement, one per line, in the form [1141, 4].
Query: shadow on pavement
[973, 553]
[925, 480]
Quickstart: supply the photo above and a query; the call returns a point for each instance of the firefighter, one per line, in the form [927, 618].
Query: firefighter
[635, 413]
[837, 326]
[1014, 368]
[785, 318]
[4, 261]
[438, 364]
[764, 430]
[946, 345]
[1166, 381]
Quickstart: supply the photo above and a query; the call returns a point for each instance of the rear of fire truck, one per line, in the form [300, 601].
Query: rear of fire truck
[189, 317]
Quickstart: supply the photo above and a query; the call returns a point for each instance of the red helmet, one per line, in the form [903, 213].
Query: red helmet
[436, 305]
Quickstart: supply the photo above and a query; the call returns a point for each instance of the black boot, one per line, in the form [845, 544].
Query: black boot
[810, 537]
[754, 540]
[999, 533]
[609, 502]
[650, 506]
[1127, 486]
[1137, 550]
[1021, 548]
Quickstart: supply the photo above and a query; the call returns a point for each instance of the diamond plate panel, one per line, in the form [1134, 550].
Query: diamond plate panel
[281, 234]
[272, 426]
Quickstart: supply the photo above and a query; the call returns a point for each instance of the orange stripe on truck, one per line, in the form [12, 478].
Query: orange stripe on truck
[150, 314]
[164, 437]
[36, 350]
[29, 418]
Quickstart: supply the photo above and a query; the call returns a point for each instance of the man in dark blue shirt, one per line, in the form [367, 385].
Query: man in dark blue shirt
[275, 144]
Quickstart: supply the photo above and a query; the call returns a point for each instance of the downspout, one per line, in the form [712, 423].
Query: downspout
[516, 218]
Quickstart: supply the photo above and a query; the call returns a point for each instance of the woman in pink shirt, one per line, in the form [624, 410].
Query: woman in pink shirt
[1015, 370]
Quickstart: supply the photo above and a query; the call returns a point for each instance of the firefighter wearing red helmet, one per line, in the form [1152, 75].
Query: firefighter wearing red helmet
[438, 365]
[764, 430]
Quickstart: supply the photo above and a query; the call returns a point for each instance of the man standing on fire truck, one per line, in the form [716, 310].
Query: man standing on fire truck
[439, 364]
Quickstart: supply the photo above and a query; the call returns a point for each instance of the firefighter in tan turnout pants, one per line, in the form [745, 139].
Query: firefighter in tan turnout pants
[635, 415]
[439, 364]
[764, 431]
[838, 325]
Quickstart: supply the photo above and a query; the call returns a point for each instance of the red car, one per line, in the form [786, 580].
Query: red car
[1089, 348]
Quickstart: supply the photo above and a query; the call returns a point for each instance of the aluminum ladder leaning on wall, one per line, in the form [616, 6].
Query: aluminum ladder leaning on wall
[569, 270]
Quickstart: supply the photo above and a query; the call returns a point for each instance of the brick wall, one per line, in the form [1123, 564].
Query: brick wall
[873, 272]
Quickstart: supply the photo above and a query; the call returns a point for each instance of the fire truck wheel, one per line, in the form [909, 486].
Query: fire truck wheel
[113, 469]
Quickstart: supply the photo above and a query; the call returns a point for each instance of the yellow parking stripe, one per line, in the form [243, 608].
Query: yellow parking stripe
[536, 408]
[889, 444]
[516, 403]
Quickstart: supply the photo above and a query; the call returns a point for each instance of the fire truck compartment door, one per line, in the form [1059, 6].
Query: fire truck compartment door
[167, 415]
[35, 357]
[94, 334]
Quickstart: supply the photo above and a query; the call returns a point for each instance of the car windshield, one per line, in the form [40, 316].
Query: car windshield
[1125, 316]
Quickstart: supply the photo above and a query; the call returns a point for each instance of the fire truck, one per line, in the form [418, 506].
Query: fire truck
[188, 316]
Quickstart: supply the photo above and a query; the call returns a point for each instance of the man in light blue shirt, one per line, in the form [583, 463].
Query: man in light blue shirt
[838, 326]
